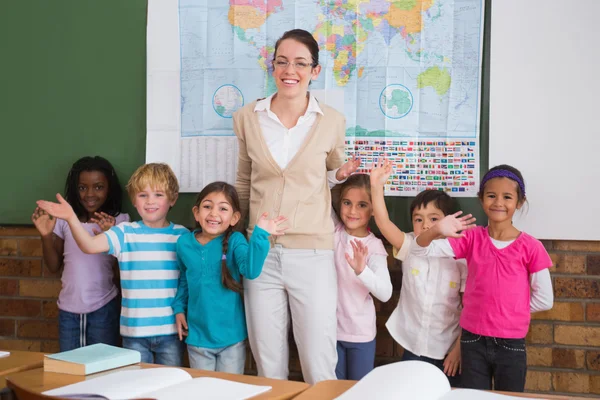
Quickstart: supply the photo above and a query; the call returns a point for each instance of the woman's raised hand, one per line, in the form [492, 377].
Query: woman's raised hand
[273, 226]
[350, 167]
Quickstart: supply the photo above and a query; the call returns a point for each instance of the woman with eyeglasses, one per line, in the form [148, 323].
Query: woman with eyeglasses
[291, 151]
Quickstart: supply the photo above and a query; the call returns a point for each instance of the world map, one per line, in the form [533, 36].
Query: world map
[398, 68]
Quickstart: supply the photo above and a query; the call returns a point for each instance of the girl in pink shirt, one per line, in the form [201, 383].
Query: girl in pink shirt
[361, 264]
[508, 279]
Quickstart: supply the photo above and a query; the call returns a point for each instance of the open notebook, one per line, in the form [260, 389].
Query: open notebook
[413, 380]
[157, 383]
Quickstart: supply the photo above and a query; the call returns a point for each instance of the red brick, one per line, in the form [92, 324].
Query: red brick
[593, 264]
[50, 309]
[52, 346]
[538, 381]
[37, 329]
[384, 345]
[572, 245]
[567, 358]
[39, 288]
[539, 333]
[20, 267]
[577, 335]
[7, 327]
[593, 360]
[568, 263]
[8, 247]
[592, 312]
[571, 382]
[30, 248]
[16, 344]
[561, 311]
[578, 288]
[9, 287]
[539, 356]
[18, 231]
[20, 308]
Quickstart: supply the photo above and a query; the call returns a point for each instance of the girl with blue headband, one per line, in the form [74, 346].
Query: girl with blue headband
[508, 279]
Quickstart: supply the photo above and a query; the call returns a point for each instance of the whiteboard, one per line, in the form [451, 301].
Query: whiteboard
[545, 111]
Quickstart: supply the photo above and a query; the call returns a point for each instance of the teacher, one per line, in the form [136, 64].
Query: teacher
[291, 149]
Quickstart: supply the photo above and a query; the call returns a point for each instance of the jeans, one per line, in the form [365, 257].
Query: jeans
[455, 381]
[485, 358]
[100, 326]
[223, 359]
[355, 360]
[165, 350]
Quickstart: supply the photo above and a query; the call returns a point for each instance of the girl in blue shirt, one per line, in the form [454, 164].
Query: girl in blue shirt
[212, 261]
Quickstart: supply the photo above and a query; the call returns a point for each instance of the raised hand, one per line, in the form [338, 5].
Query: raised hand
[380, 172]
[359, 261]
[43, 221]
[452, 225]
[104, 221]
[350, 167]
[62, 209]
[272, 225]
[182, 326]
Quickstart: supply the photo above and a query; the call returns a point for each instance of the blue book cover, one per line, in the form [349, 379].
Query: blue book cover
[90, 359]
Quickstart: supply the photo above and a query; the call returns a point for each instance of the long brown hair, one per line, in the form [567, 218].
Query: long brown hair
[232, 197]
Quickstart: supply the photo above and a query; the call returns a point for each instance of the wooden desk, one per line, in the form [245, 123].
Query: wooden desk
[327, 390]
[37, 380]
[19, 361]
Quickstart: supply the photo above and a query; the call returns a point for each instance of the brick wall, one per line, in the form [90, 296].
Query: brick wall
[28, 312]
[563, 343]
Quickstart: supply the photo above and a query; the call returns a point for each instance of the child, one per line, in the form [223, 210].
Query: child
[147, 259]
[212, 261]
[88, 307]
[508, 279]
[425, 321]
[359, 275]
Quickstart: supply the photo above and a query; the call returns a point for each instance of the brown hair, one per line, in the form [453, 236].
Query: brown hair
[232, 197]
[158, 176]
[356, 181]
[304, 37]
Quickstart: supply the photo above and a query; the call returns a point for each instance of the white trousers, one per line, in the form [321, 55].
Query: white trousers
[306, 281]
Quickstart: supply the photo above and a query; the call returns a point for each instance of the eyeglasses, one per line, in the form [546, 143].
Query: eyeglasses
[298, 66]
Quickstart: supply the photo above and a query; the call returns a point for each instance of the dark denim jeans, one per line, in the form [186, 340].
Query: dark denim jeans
[486, 358]
[454, 380]
[355, 360]
[165, 350]
[100, 326]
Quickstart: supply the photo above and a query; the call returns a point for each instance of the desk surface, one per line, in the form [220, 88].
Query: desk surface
[327, 390]
[37, 380]
[20, 361]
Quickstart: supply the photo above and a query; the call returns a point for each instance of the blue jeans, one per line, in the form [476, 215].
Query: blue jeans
[223, 359]
[485, 357]
[165, 350]
[355, 360]
[408, 356]
[100, 326]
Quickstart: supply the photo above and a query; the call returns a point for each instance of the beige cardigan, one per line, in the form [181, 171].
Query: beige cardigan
[300, 191]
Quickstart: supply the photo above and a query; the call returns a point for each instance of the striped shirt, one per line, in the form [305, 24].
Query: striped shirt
[149, 276]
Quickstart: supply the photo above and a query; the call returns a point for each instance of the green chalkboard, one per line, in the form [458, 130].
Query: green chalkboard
[74, 84]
